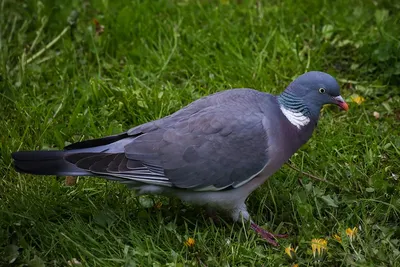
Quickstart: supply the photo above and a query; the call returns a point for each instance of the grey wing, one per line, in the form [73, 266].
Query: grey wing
[214, 143]
[210, 150]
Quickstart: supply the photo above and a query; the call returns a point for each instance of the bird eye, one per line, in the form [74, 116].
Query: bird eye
[321, 90]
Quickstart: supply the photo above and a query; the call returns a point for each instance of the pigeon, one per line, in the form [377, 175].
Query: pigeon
[215, 151]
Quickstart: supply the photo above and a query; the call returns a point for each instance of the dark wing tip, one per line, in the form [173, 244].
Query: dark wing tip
[97, 142]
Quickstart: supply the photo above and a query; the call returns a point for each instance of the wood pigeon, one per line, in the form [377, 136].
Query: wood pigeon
[215, 151]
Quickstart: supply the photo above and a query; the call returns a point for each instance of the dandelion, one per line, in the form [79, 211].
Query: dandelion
[351, 233]
[318, 245]
[190, 242]
[337, 238]
[290, 251]
[295, 265]
[357, 99]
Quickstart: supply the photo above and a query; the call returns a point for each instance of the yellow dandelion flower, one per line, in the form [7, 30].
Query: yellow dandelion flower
[337, 238]
[318, 245]
[290, 251]
[351, 233]
[295, 265]
[190, 242]
[357, 99]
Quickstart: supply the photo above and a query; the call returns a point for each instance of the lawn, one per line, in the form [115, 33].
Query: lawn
[74, 70]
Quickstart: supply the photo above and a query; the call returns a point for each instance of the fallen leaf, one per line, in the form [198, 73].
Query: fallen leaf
[70, 180]
[99, 27]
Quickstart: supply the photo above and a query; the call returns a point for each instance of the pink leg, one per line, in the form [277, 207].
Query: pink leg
[269, 237]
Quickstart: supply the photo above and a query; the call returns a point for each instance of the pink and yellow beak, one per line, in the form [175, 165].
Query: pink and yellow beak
[341, 103]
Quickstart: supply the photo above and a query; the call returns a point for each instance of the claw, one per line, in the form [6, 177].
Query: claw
[269, 237]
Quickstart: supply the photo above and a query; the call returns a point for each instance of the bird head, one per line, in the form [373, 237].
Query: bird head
[313, 90]
[317, 89]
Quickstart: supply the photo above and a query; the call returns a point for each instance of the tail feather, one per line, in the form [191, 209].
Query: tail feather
[46, 163]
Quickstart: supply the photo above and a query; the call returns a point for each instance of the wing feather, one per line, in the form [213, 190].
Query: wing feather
[214, 143]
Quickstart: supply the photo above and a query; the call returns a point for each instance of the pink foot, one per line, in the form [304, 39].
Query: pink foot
[269, 237]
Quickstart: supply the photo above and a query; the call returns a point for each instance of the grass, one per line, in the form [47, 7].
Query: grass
[153, 58]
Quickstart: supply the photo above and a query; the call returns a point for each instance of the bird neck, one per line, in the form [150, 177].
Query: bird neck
[295, 110]
[294, 103]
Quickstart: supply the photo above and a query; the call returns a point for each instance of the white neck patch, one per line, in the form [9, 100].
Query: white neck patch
[295, 118]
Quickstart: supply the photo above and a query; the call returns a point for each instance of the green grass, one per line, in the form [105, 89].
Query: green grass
[153, 58]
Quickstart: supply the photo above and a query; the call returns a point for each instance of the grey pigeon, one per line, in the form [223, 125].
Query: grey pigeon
[215, 151]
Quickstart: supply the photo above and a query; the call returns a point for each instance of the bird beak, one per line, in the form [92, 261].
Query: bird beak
[341, 103]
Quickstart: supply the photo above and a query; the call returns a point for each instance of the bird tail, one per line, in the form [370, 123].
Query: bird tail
[46, 163]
